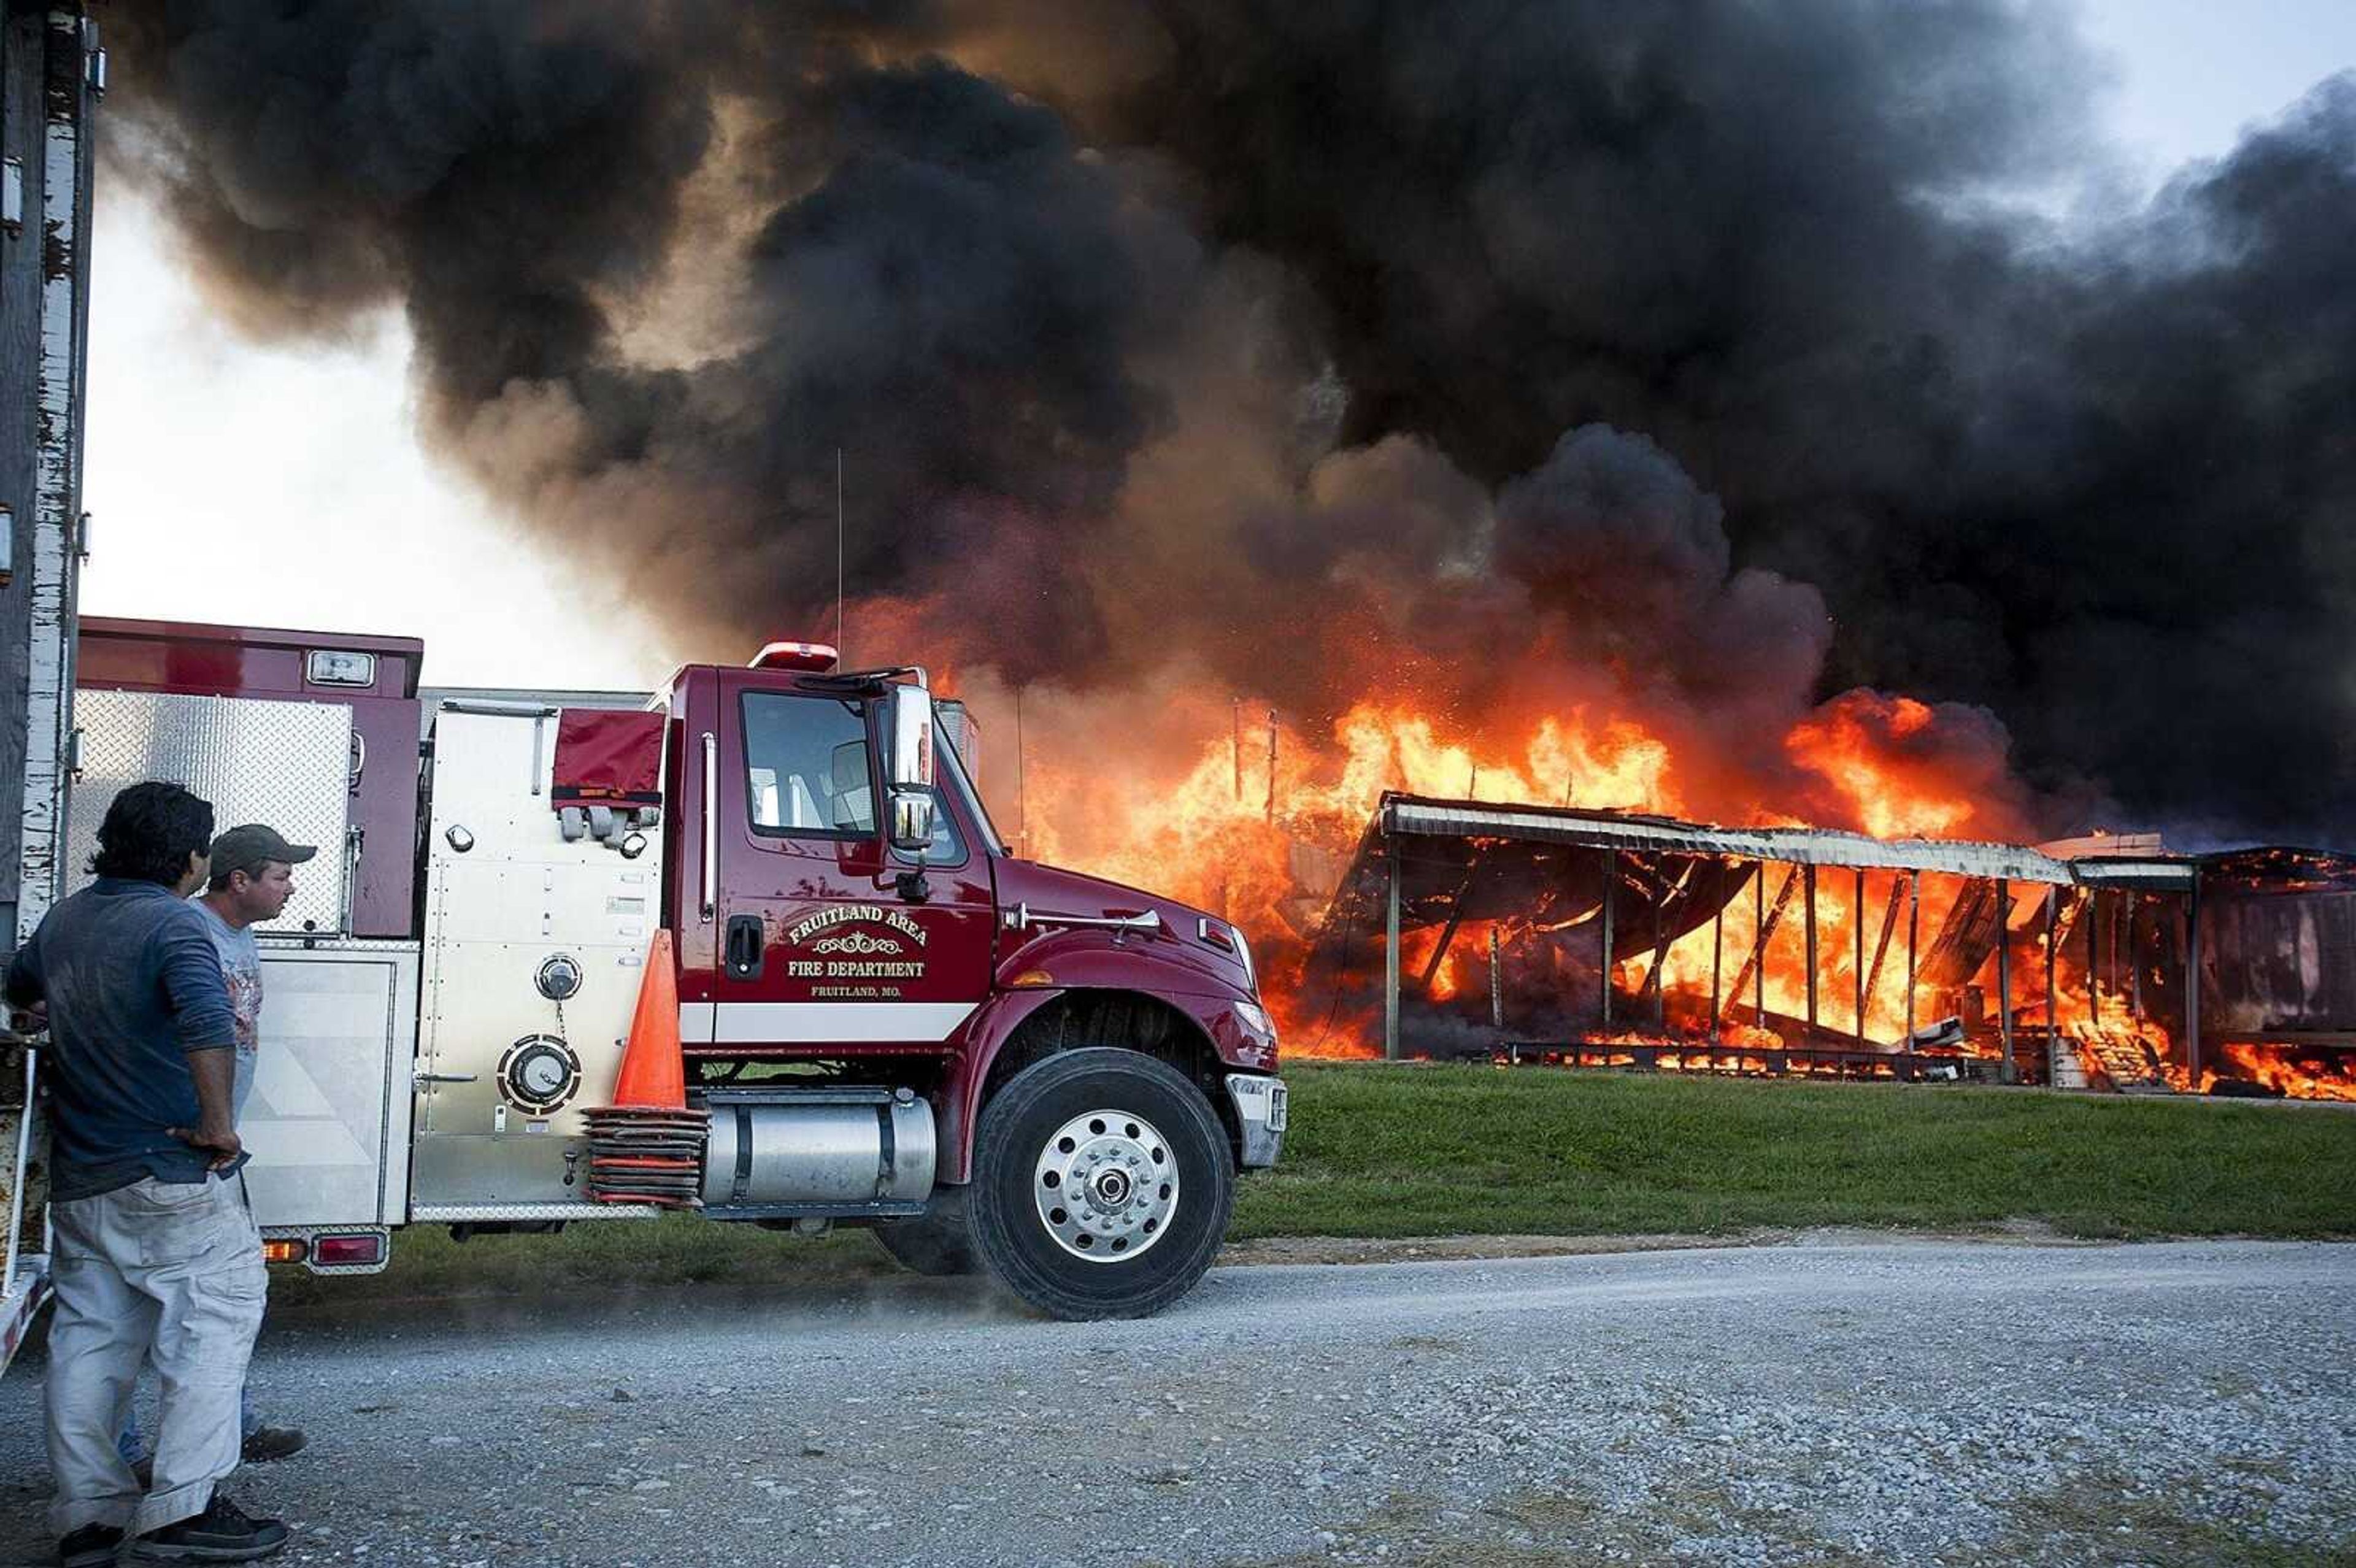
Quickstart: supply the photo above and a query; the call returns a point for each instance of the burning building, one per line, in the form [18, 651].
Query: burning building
[1614, 938]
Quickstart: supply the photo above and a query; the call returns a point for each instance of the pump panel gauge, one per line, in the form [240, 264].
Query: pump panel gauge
[539, 1073]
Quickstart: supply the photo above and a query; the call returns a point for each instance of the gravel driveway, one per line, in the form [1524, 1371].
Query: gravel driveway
[1828, 1400]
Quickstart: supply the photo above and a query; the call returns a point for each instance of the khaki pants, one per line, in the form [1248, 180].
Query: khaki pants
[157, 1271]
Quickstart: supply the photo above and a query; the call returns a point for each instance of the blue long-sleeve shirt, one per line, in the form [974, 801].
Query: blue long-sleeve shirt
[134, 987]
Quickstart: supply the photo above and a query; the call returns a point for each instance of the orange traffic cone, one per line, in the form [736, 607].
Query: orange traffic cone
[653, 1076]
[647, 1147]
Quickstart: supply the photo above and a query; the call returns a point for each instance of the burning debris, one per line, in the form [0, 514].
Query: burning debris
[1600, 938]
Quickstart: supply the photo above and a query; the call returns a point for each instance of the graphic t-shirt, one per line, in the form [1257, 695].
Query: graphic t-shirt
[240, 963]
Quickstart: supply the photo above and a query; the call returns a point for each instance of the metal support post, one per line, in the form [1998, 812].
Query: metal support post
[1913, 929]
[1391, 961]
[1808, 923]
[2135, 970]
[1610, 880]
[2192, 986]
[2053, 940]
[2006, 1072]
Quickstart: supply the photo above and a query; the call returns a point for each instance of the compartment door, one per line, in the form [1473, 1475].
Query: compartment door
[328, 1122]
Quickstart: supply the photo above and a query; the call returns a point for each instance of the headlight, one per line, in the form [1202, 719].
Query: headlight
[1257, 1017]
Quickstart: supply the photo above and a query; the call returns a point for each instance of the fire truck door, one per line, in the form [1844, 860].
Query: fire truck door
[827, 938]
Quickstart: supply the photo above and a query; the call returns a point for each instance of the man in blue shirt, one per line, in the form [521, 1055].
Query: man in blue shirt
[154, 1249]
[253, 878]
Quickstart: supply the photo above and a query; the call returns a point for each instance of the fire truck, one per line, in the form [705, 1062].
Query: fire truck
[890, 1020]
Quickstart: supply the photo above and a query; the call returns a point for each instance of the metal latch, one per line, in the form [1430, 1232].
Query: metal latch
[421, 1079]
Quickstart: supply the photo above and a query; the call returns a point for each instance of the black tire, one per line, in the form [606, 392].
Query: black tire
[939, 1241]
[1141, 1252]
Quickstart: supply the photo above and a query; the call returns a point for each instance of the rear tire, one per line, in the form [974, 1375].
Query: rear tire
[939, 1241]
[1102, 1185]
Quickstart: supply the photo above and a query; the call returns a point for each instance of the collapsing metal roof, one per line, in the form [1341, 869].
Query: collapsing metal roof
[1408, 815]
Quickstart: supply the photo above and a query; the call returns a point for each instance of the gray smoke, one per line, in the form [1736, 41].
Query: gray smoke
[1251, 334]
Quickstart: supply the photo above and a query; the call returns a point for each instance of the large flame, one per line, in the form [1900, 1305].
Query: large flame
[1221, 831]
[1256, 818]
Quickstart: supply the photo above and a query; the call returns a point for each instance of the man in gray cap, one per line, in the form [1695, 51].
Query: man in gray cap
[253, 878]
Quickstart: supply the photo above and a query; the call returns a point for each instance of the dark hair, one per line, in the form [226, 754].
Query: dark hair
[252, 874]
[150, 831]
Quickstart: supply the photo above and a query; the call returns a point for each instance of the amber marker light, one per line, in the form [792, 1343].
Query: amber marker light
[291, 1250]
[1031, 980]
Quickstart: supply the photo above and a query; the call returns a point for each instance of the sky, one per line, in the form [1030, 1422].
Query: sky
[282, 485]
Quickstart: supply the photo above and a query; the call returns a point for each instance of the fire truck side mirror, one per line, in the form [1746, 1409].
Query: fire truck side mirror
[908, 764]
[911, 821]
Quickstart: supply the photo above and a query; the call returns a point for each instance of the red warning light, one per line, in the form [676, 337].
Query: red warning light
[814, 658]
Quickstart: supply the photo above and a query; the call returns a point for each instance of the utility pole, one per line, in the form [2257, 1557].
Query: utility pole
[1271, 764]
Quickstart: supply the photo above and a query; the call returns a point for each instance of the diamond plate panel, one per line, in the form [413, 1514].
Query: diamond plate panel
[444, 1213]
[285, 763]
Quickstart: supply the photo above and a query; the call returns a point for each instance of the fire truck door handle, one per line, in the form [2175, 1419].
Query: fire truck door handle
[711, 822]
[743, 947]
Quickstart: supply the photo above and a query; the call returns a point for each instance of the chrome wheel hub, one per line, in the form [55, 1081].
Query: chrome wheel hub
[1106, 1186]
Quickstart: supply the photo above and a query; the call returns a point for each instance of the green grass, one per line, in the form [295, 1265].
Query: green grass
[1404, 1151]
[1381, 1150]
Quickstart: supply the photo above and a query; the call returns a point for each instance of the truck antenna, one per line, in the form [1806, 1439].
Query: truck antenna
[838, 649]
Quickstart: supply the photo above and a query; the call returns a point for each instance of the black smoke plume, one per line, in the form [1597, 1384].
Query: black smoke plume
[1210, 329]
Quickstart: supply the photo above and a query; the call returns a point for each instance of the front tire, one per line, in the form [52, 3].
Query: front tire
[1102, 1185]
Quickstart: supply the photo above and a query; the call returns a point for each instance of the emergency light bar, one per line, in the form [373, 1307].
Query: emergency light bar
[815, 659]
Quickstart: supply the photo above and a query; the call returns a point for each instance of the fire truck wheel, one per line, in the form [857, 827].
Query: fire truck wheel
[939, 1241]
[1101, 1184]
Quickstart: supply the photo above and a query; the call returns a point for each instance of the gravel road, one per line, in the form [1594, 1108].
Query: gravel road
[1834, 1400]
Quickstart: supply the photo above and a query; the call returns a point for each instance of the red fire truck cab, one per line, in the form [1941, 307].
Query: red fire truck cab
[891, 1020]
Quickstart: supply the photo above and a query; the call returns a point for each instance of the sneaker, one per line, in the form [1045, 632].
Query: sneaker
[264, 1444]
[90, 1547]
[222, 1534]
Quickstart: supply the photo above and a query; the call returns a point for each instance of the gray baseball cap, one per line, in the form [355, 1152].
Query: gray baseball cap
[241, 848]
